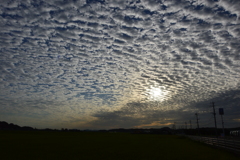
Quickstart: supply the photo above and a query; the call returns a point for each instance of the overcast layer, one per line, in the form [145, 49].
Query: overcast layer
[111, 64]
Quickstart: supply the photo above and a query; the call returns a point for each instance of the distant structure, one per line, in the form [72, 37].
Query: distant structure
[215, 121]
[221, 112]
[235, 133]
[197, 122]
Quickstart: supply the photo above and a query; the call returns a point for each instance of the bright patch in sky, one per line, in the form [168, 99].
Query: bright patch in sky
[157, 94]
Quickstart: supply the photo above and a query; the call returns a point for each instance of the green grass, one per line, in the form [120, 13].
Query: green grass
[107, 146]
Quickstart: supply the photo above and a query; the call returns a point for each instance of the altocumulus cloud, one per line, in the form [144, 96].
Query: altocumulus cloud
[106, 64]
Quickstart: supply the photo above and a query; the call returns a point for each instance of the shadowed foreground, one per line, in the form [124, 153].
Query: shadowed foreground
[81, 145]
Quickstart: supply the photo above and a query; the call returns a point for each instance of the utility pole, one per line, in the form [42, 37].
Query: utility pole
[185, 125]
[190, 122]
[214, 114]
[197, 122]
[221, 112]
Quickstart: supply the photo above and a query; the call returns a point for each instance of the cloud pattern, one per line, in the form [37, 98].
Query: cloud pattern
[106, 64]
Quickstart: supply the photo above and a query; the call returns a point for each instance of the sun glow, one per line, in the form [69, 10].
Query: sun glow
[157, 94]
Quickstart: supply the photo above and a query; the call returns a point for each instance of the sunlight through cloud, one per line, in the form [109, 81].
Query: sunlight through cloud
[157, 94]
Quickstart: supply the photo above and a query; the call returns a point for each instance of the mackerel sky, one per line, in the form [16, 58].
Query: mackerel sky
[90, 64]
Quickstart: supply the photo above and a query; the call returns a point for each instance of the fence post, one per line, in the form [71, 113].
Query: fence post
[224, 142]
[234, 143]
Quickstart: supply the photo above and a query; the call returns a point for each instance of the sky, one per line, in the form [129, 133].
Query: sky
[102, 64]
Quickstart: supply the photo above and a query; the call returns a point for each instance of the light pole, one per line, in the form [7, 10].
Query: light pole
[215, 121]
[221, 112]
[197, 122]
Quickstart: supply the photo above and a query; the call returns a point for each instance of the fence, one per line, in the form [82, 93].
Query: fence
[230, 144]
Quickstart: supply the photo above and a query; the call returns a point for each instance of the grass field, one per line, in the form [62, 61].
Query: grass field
[37, 145]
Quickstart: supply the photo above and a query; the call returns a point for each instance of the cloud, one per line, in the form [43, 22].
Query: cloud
[154, 125]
